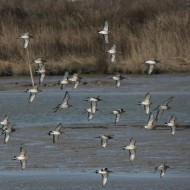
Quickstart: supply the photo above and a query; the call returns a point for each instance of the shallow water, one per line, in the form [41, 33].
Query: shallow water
[80, 181]
[14, 102]
[72, 161]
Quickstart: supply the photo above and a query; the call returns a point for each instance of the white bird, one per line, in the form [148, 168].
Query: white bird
[64, 81]
[104, 140]
[146, 103]
[132, 149]
[105, 31]
[151, 63]
[118, 114]
[92, 110]
[76, 79]
[39, 60]
[162, 168]
[7, 131]
[112, 52]
[172, 124]
[26, 37]
[56, 132]
[105, 174]
[41, 70]
[150, 124]
[33, 92]
[5, 122]
[93, 99]
[118, 78]
[22, 158]
[161, 108]
[90, 114]
[65, 102]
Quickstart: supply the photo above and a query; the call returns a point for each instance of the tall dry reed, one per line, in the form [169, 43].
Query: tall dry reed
[66, 34]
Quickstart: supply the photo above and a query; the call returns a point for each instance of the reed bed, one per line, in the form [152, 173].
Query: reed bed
[66, 35]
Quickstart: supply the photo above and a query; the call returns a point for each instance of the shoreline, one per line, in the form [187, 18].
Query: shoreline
[89, 80]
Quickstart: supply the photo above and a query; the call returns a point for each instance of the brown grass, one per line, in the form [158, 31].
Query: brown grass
[66, 34]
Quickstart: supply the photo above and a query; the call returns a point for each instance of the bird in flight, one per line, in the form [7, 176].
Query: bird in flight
[161, 108]
[151, 64]
[105, 32]
[105, 174]
[26, 37]
[172, 124]
[65, 102]
[23, 157]
[146, 103]
[56, 132]
[162, 168]
[132, 149]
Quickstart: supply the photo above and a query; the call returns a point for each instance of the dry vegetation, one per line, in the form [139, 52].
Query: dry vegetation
[66, 34]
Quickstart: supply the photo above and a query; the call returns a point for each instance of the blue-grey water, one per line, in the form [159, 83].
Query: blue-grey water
[40, 112]
[72, 161]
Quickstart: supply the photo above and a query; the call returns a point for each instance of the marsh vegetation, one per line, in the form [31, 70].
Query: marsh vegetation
[66, 35]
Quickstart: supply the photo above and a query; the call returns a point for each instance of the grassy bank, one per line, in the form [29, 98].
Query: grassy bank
[66, 35]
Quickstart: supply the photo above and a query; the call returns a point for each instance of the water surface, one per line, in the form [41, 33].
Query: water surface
[72, 161]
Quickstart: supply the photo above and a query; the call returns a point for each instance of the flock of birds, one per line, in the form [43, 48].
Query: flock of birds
[9, 127]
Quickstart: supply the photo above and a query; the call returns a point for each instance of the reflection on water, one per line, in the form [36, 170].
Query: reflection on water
[40, 112]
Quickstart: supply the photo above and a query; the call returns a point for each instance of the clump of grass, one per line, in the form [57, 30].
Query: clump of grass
[66, 34]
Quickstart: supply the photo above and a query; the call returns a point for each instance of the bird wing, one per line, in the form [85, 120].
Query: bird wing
[90, 116]
[5, 120]
[155, 169]
[173, 119]
[26, 34]
[66, 75]
[106, 38]
[159, 114]
[132, 155]
[66, 98]
[147, 109]
[117, 117]
[41, 77]
[103, 142]
[56, 108]
[104, 179]
[23, 164]
[162, 173]
[168, 101]
[150, 69]
[173, 130]
[147, 96]
[6, 117]
[22, 151]
[113, 57]
[93, 107]
[41, 68]
[132, 142]
[32, 96]
[161, 167]
[75, 75]
[118, 83]
[113, 47]
[106, 25]
[76, 84]
[6, 138]
[55, 137]
[26, 42]
[58, 128]
[150, 119]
